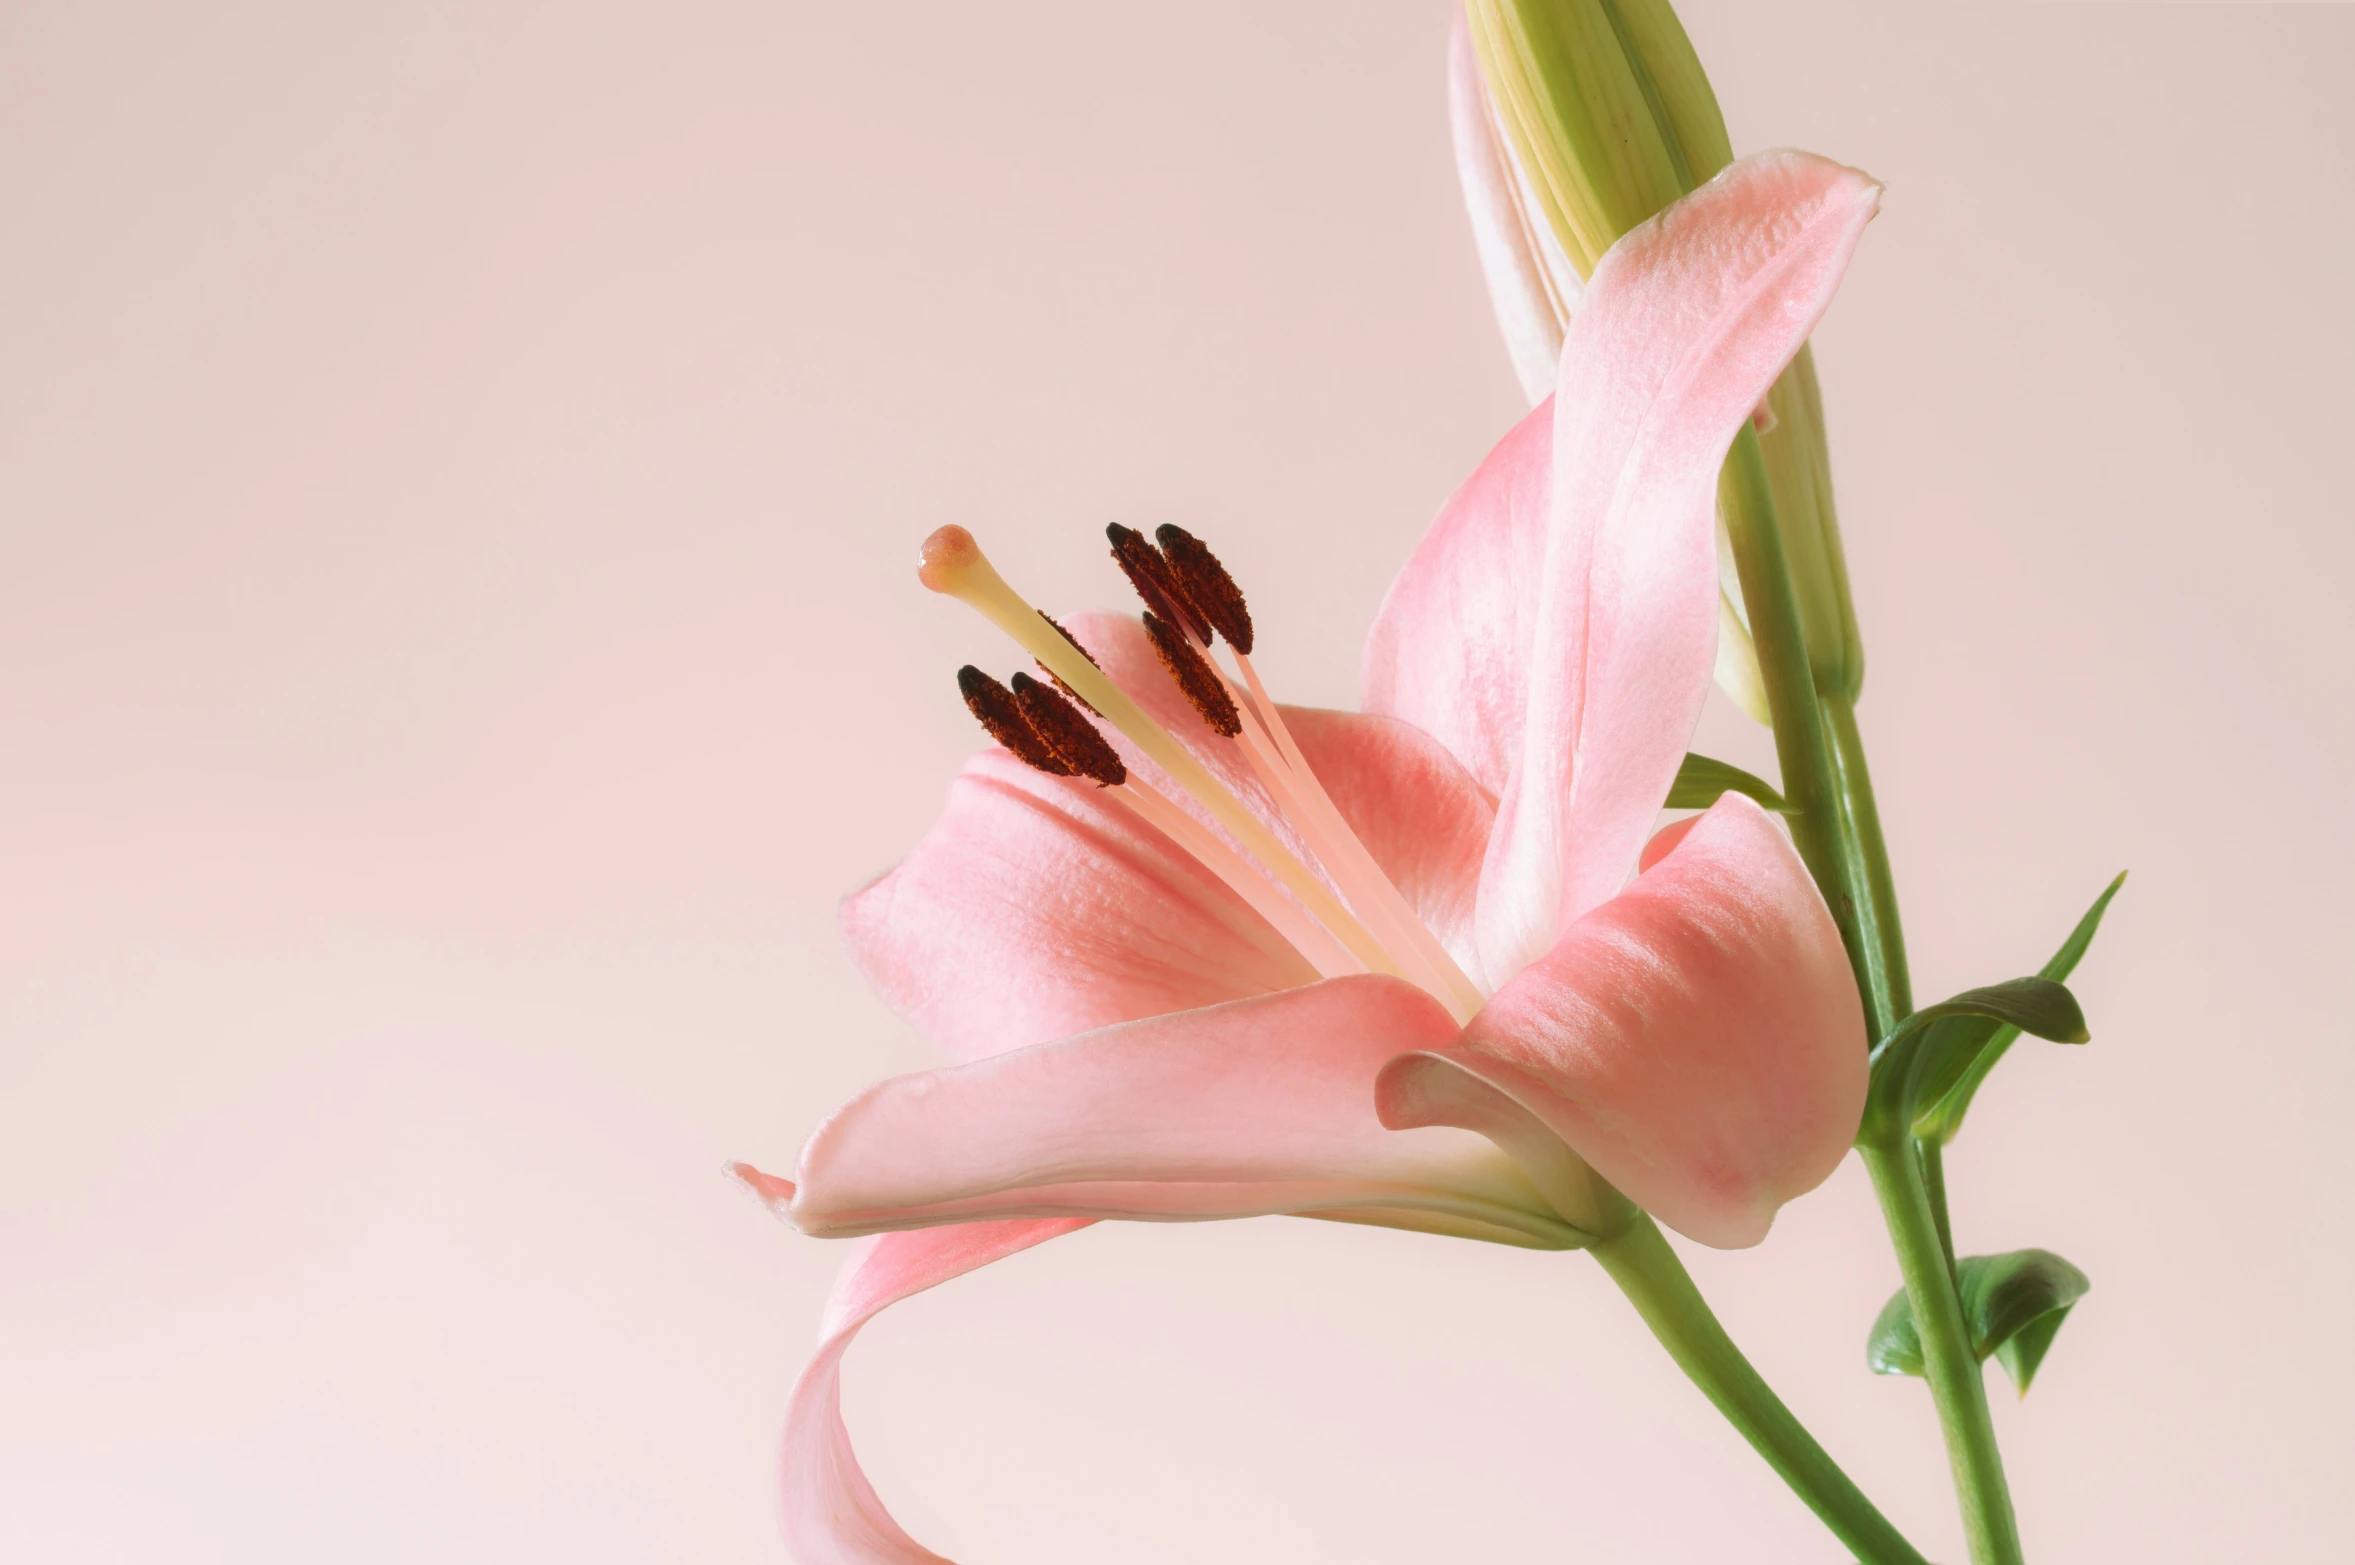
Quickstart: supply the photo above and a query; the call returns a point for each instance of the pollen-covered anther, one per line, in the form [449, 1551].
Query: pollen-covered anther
[1149, 572]
[1062, 728]
[1207, 586]
[996, 709]
[1195, 676]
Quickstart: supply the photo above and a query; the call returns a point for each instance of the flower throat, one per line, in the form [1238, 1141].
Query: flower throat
[1349, 919]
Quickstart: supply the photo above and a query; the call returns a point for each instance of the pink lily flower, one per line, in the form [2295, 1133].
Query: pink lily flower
[1384, 967]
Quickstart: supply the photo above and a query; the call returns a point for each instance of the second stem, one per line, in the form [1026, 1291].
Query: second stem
[1647, 1270]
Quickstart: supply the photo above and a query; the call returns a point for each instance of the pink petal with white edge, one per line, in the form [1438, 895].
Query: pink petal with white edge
[832, 1514]
[1697, 1039]
[1036, 907]
[1687, 322]
[1531, 282]
[1247, 1109]
[1586, 674]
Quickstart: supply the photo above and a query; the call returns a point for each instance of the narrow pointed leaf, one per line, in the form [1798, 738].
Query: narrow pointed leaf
[1702, 781]
[1928, 1052]
[1946, 1107]
[2014, 1305]
[2021, 1353]
[2034, 1005]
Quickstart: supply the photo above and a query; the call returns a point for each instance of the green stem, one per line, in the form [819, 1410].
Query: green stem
[1933, 1156]
[1957, 1384]
[1655, 1281]
[1836, 825]
[1802, 742]
[1888, 988]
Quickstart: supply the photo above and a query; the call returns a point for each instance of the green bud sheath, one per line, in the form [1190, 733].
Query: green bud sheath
[1799, 471]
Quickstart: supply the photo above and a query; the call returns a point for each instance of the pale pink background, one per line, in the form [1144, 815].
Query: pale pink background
[460, 466]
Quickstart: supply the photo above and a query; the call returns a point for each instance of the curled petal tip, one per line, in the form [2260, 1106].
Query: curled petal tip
[775, 1194]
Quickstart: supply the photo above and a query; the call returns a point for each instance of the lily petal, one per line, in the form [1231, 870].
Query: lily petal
[832, 1514]
[1246, 1109]
[1686, 324]
[1450, 647]
[1531, 283]
[1697, 1039]
[1036, 908]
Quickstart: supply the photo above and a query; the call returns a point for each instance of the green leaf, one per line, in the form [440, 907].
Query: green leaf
[1927, 1053]
[1951, 1101]
[1895, 1346]
[2022, 1351]
[2014, 1305]
[1701, 782]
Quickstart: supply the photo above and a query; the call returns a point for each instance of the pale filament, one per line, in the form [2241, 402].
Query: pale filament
[1459, 990]
[1302, 798]
[1327, 955]
[954, 564]
[1283, 788]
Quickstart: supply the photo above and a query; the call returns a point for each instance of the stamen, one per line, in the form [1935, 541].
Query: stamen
[1283, 789]
[1082, 651]
[999, 712]
[1268, 746]
[1047, 732]
[1324, 953]
[1195, 676]
[1207, 586]
[1287, 776]
[1156, 583]
[1058, 725]
[952, 563]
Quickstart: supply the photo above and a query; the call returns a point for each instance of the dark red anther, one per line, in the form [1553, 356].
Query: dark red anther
[1156, 583]
[995, 707]
[1061, 726]
[1207, 586]
[1195, 676]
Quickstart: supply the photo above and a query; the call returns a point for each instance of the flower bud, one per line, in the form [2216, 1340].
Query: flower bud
[1592, 115]
[1605, 107]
